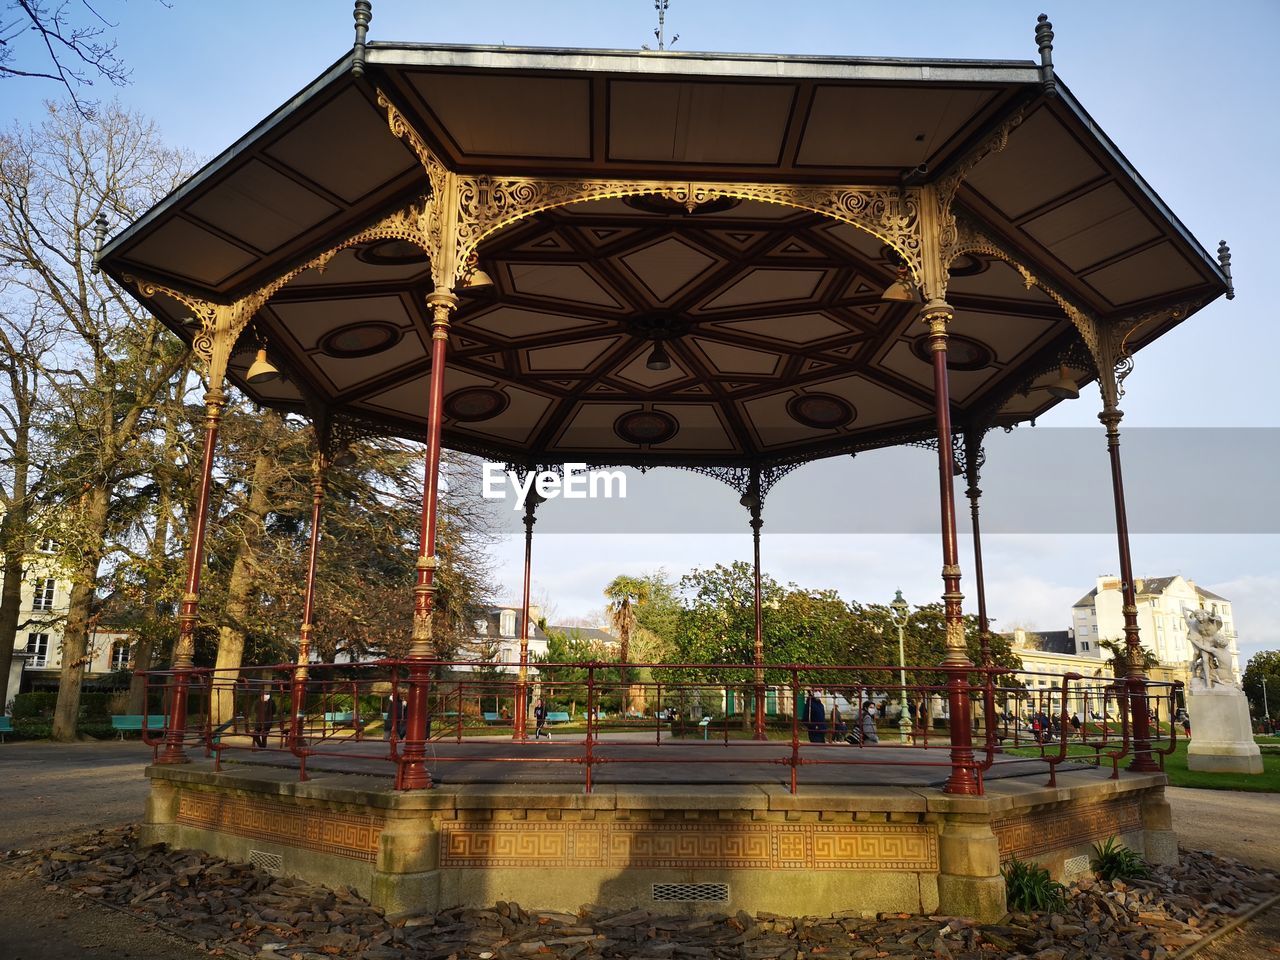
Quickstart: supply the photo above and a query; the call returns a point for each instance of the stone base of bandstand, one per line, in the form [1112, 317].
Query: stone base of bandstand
[867, 849]
[1221, 732]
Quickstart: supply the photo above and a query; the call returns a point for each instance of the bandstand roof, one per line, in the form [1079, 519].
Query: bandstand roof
[786, 350]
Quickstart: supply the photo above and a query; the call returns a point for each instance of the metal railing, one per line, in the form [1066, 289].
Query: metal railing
[964, 721]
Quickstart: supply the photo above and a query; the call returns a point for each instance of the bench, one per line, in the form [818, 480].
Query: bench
[6, 726]
[123, 723]
[337, 718]
[492, 718]
[557, 716]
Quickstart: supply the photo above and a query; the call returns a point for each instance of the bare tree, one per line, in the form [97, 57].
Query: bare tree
[66, 41]
[113, 358]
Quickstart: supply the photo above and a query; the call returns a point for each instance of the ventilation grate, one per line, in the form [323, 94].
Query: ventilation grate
[272, 863]
[691, 892]
[1075, 867]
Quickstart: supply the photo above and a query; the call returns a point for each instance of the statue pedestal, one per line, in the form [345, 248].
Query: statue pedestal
[1221, 734]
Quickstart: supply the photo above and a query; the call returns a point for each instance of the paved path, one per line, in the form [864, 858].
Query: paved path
[48, 790]
[1229, 823]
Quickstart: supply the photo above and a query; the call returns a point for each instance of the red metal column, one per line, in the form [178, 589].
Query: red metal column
[185, 647]
[521, 719]
[318, 467]
[937, 314]
[1135, 678]
[751, 500]
[414, 773]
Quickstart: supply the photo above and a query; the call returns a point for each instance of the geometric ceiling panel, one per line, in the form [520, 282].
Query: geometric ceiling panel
[667, 266]
[700, 427]
[883, 126]
[516, 322]
[773, 425]
[353, 164]
[799, 328]
[309, 320]
[347, 268]
[1092, 228]
[563, 282]
[1000, 281]
[875, 404]
[725, 358]
[347, 372]
[518, 421]
[768, 286]
[710, 122]
[262, 207]
[1143, 274]
[636, 372]
[855, 239]
[572, 357]
[1006, 335]
[901, 359]
[522, 117]
[191, 251]
[1042, 144]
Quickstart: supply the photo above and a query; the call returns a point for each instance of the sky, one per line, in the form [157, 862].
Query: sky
[1183, 88]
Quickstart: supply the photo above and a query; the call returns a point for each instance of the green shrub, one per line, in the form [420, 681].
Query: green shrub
[1112, 860]
[95, 706]
[1029, 887]
[32, 705]
[32, 729]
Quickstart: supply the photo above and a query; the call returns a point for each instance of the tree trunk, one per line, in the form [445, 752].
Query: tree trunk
[75, 636]
[10, 602]
[14, 539]
[239, 589]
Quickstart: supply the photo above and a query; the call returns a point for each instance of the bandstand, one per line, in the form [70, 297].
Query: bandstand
[729, 263]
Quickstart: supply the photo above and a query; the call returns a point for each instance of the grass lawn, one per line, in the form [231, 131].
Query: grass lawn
[1175, 767]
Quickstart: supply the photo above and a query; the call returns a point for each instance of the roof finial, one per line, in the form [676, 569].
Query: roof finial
[1044, 40]
[100, 237]
[1224, 259]
[363, 14]
[661, 32]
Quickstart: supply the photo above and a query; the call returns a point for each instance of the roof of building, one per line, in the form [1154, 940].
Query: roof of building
[1152, 586]
[493, 616]
[605, 191]
[1046, 641]
[594, 634]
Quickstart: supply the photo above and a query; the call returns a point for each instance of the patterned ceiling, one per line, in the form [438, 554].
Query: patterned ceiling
[778, 342]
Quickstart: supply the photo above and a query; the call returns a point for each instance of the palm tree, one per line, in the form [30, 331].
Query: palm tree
[624, 593]
[1119, 651]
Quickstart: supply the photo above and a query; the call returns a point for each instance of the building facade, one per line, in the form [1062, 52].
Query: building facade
[42, 616]
[1162, 606]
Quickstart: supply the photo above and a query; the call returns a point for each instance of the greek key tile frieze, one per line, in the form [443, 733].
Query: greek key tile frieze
[1030, 835]
[785, 846]
[350, 835]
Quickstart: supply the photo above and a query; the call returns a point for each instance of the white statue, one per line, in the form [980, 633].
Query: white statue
[1209, 662]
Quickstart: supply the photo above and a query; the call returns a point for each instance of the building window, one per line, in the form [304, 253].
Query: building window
[508, 625]
[1084, 645]
[119, 655]
[43, 597]
[38, 648]
[48, 545]
[1084, 628]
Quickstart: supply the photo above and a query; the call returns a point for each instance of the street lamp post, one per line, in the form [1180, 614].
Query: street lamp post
[900, 612]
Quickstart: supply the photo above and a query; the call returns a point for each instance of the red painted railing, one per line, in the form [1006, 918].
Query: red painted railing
[354, 717]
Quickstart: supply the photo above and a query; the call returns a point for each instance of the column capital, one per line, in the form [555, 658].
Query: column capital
[937, 315]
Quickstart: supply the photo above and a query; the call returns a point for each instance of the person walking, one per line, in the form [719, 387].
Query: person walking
[868, 722]
[814, 718]
[540, 720]
[265, 714]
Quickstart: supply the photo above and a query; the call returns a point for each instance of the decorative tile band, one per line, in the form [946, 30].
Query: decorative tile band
[1031, 834]
[351, 835]
[783, 846]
